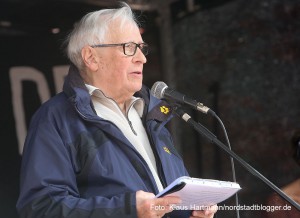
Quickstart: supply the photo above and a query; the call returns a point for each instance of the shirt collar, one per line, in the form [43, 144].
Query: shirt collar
[138, 103]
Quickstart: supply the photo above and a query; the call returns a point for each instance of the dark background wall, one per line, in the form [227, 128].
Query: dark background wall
[239, 57]
[242, 59]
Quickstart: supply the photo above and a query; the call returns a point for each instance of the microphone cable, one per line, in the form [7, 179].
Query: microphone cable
[231, 159]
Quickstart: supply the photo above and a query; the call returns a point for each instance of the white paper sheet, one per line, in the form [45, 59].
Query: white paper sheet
[198, 193]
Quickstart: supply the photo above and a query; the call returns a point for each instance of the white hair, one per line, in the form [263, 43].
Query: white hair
[93, 29]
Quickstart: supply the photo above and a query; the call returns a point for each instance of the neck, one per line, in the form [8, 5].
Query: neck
[122, 107]
[120, 99]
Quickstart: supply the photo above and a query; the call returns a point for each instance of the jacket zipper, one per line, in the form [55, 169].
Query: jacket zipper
[127, 118]
[131, 126]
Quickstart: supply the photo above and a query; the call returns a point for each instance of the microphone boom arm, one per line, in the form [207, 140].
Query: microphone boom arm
[205, 132]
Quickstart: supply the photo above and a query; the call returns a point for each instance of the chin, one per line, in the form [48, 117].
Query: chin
[137, 86]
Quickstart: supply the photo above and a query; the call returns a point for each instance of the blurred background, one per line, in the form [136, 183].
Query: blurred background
[241, 58]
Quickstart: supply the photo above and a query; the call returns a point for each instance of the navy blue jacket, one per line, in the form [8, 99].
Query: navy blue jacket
[76, 164]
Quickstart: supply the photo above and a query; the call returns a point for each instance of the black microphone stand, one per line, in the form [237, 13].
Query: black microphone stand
[205, 132]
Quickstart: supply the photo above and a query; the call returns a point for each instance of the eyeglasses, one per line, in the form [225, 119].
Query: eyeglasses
[129, 48]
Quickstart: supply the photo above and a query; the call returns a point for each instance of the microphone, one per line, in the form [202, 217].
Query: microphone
[161, 91]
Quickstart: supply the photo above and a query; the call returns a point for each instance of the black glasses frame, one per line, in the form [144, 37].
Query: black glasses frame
[142, 46]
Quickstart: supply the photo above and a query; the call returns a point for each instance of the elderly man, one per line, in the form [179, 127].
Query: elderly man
[95, 150]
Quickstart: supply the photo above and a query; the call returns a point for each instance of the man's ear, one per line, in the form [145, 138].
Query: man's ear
[89, 58]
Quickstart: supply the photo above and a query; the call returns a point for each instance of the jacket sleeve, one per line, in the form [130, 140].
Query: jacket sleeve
[48, 182]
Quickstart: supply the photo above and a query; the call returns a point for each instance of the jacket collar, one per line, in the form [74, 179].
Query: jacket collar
[155, 109]
[72, 81]
[76, 91]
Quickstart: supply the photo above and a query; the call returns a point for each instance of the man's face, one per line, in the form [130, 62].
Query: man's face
[120, 76]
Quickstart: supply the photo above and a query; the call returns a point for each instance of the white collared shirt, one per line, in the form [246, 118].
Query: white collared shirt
[130, 124]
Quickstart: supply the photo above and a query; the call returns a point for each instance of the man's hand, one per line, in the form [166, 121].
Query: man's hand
[208, 213]
[293, 190]
[149, 207]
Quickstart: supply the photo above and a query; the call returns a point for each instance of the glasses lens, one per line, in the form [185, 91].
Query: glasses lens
[144, 48]
[130, 48]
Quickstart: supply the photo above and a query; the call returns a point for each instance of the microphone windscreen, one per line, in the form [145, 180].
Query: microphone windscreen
[158, 88]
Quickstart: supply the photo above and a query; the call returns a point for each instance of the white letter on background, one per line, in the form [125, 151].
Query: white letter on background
[17, 75]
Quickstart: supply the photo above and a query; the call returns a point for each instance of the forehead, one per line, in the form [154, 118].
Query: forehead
[127, 31]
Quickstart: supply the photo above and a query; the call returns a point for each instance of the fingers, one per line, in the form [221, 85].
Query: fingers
[208, 213]
[163, 205]
[168, 200]
[296, 198]
[202, 213]
[148, 206]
